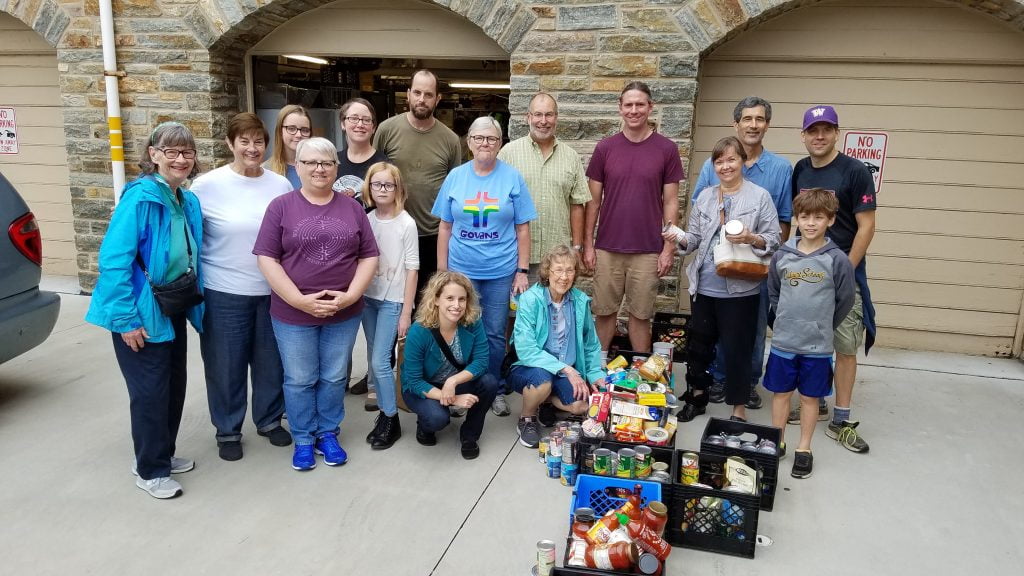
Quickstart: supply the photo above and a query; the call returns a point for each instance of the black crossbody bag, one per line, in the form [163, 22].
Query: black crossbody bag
[445, 349]
[179, 294]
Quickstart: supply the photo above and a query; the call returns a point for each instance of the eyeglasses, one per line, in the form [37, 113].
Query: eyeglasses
[359, 120]
[294, 129]
[172, 153]
[562, 273]
[481, 139]
[543, 115]
[314, 164]
[385, 186]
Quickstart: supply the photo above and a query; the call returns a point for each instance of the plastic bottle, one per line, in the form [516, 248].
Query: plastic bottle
[617, 556]
[645, 538]
[631, 507]
[602, 530]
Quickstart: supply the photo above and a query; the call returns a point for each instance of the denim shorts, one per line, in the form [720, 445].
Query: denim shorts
[811, 375]
[521, 377]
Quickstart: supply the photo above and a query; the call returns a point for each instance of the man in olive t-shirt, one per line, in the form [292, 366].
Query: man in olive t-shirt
[425, 150]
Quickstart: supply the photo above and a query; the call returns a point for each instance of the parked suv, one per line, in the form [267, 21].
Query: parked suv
[27, 314]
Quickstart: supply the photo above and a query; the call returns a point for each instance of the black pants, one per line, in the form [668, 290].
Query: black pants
[732, 324]
[155, 376]
[428, 263]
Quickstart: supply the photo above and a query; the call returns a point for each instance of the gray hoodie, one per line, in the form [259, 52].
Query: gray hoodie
[810, 295]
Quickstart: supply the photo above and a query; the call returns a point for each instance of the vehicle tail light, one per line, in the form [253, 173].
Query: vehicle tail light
[24, 233]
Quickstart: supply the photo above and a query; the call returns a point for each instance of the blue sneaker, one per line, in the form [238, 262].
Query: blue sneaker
[334, 455]
[303, 458]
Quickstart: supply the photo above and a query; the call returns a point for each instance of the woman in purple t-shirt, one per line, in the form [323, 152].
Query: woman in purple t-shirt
[317, 251]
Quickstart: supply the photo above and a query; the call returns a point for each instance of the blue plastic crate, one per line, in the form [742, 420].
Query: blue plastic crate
[592, 492]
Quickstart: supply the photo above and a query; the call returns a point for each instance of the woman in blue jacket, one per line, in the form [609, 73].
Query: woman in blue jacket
[559, 355]
[157, 224]
[449, 316]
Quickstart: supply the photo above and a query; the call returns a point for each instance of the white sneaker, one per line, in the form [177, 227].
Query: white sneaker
[178, 465]
[500, 407]
[161, 488]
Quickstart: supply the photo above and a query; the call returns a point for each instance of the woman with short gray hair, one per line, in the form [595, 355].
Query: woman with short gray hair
[485, 211]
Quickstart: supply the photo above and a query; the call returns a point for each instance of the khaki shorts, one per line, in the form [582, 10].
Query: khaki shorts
[632, 275]
[849, 336]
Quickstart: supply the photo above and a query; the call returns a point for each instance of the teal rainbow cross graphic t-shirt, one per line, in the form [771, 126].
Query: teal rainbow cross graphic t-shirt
[484, 212]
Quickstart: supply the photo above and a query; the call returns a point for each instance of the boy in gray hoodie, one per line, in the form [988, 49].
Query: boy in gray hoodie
[810, 290]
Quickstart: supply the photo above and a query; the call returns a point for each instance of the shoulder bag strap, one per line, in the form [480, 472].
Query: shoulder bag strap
[445, 349]
[188, 247]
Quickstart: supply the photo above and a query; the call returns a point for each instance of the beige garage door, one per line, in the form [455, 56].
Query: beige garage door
[947, 84]
[29, 84]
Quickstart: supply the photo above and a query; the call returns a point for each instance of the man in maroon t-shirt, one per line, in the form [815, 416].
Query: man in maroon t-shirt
[634, 180]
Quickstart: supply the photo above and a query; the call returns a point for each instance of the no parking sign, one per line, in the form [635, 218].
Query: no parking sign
[8, 132]
[869, 148]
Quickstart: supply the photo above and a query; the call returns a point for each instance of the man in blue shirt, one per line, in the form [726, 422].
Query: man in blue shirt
[751, 119]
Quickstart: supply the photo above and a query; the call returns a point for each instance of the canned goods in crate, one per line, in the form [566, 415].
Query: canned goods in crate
[627, 463]
[689, 468]
[545, 557]
[569, 472]
[554, 466]
[602, 462]
[643, 461]
[555, 446]
[542, 448]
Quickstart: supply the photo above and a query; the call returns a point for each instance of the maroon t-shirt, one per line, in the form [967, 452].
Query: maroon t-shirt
[632, 206]
[318, 247]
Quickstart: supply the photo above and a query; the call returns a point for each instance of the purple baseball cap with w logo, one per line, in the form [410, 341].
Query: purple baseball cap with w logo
[822, 113]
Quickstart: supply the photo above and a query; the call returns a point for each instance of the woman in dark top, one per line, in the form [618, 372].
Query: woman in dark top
[359, 120]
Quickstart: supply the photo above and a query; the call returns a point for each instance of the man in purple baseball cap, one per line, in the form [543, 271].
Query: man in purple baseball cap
[826, 167]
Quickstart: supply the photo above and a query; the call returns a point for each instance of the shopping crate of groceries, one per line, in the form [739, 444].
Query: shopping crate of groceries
[649, 463]
[714, 504]
[746, 440]
[672, 327]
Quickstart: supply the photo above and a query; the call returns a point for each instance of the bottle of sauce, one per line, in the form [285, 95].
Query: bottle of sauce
[617, 556]
[602, 530]
[583, 520]
[655, 516]
[631, 507]
[645, 538]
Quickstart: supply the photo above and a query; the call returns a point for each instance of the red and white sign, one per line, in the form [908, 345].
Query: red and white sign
[869, 148]
[8, 132]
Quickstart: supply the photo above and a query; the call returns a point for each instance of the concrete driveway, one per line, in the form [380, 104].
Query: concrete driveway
[939, 492]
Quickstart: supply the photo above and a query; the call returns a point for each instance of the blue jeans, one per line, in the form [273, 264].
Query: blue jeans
[431, 416]
[315, 360]
[380, 325]
[238, 337]
[757, 358]
[494, 296]
[156, 377]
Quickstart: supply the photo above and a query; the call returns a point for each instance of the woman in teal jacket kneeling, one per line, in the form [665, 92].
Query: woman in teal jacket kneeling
[446, 362]
[557, 346]
[154, 238]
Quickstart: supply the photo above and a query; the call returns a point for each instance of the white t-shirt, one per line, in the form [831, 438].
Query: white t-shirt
[233, 206]
[399, 248]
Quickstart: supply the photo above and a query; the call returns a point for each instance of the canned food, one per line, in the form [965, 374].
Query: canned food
[627, 463]
[555, 445]
[545, 557]
[689, 468]
[554, 466]
[542, 448]
[732, 441]
[643, 461]
[569, 472]
[569, 444]
[602, 462]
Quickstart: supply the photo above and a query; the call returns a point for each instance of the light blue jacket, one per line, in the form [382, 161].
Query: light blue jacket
[533, 322]
[123, 300]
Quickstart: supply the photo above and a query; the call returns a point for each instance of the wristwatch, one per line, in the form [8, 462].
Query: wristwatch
[523, 270]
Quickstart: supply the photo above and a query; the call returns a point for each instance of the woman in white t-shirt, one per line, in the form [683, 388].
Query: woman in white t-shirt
[237, 333]
[392, 292]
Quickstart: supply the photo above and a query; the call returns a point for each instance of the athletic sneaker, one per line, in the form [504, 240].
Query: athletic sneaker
[846, 435]
[303, 458]
[754, 402]
[327, 446]
[500, 407]
[178, 465]
[457, 411]
[529, 432]
[162, 488]
[803, 462]
[794, 414]
[716, 394]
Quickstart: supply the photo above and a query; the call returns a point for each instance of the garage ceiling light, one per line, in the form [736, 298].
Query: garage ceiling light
[480, 85]
[304, 58]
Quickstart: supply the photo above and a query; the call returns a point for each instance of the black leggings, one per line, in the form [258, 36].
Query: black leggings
[732, 323]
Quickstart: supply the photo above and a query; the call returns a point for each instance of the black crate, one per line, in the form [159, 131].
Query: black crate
[672, 327]
[658, 453]
[713, 520]
[769, 463]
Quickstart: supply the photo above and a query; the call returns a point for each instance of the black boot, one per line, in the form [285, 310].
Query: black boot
[694, 406]
[378, 424]
[390, 431]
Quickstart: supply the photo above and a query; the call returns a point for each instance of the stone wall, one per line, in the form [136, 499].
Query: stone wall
[183, 60]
